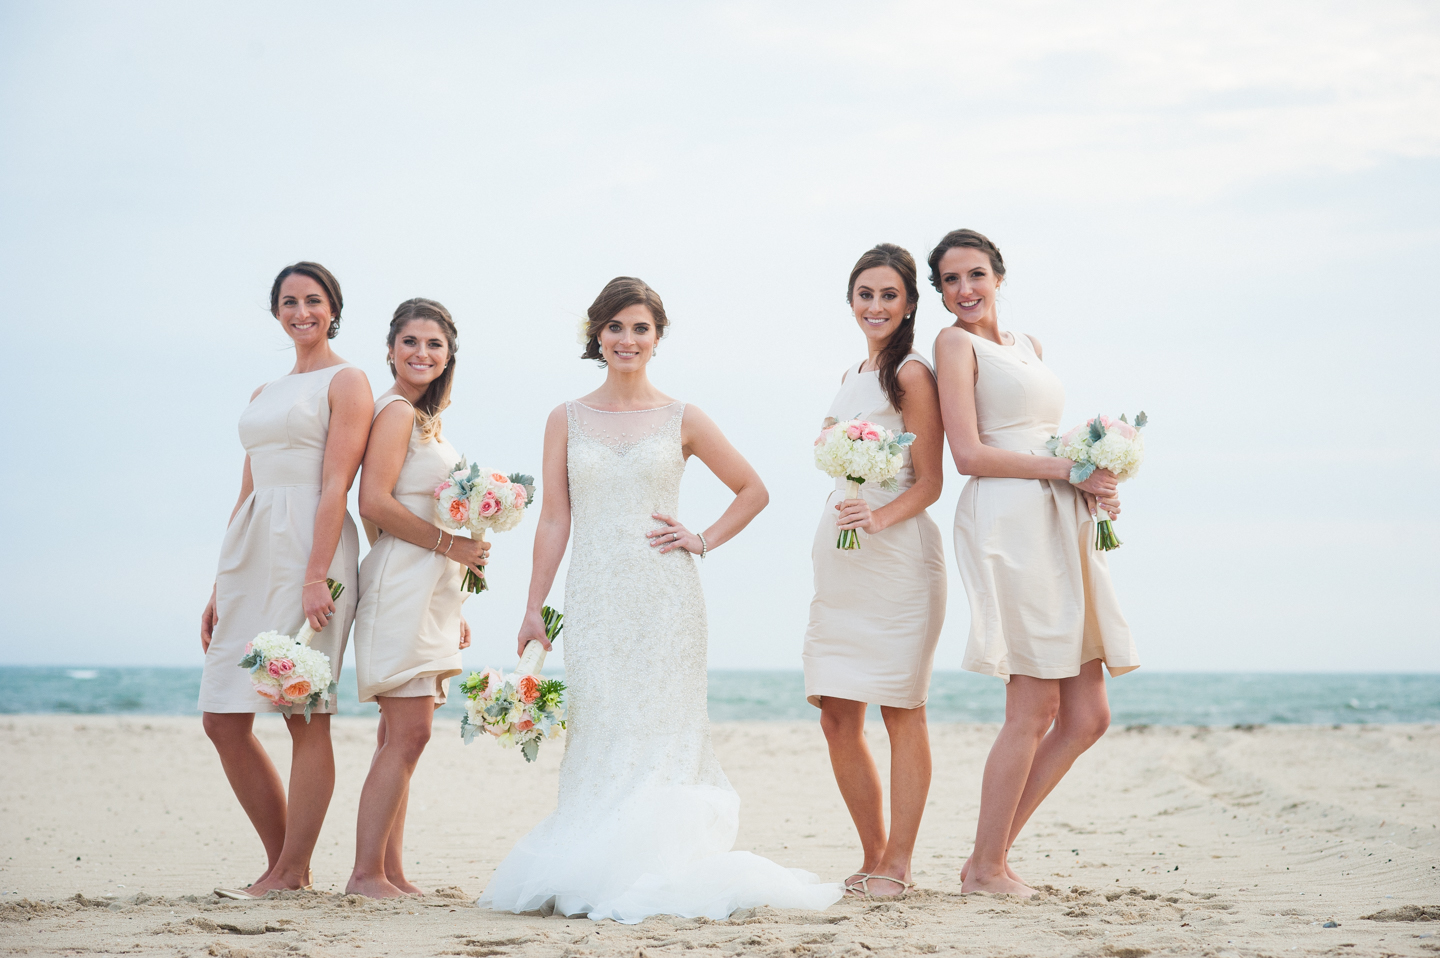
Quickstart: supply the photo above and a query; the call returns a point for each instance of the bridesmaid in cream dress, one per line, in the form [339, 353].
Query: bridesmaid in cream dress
[304, 435]
[1044, 615]
[877, 611]
[408, 630]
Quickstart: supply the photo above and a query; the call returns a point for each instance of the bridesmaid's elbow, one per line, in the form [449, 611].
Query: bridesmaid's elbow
[761, 496]
[966, 462]
[369, 508]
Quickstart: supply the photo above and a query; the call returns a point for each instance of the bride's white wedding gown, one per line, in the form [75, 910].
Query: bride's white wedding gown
[646, 818]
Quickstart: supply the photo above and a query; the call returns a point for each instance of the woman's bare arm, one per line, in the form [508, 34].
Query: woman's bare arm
[955, 367]
[351, 406]
[384, 458]
[703, 439]
[553, 532]
[921, 410]
[211, 615]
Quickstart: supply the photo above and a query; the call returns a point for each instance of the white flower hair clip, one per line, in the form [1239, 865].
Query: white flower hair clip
[582, 331]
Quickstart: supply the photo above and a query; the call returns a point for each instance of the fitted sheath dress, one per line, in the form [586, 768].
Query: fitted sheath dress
[877, 611]
[407, 629]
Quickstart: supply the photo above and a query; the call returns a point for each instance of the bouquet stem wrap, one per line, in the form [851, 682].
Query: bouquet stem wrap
[473, 582]
[1105, 538]
[850, 538]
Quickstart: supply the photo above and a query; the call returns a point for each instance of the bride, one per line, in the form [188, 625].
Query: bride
[646, 818]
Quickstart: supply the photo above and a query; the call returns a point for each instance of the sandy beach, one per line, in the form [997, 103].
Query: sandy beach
[1161, 841]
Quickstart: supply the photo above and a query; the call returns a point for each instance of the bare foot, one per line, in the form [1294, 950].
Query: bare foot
[1009, 872]
[998, 883]
[372, 887]
[404, 885]
[274, 881]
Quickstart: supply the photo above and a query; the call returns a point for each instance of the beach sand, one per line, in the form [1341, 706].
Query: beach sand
[1160, 841]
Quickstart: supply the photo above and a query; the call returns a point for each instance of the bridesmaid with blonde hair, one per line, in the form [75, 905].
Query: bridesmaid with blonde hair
[408, 630]
[304, 434]
[1043, 613]
[877, 611]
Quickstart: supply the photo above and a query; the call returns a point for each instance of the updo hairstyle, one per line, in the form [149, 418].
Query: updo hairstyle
[970, 240]
[437, 394]
[327, 282]
[902, 341]
[622, 292]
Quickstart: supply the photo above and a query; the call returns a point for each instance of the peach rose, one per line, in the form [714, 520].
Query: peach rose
[497, 477]
[489, 504]
[529, 688]
[525, 725]
[299, 689]
[280, 667]
[459, 510]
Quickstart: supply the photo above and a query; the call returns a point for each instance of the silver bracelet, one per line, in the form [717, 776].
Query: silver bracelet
[438, 539]
[450, 546]
[703, 547]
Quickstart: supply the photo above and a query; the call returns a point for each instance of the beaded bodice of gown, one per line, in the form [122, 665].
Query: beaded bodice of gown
[635, 628]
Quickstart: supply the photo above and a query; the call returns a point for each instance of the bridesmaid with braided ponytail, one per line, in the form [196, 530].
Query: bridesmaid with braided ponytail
[877, 611]
[408, 628]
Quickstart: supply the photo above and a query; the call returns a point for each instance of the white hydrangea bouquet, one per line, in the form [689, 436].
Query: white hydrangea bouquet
[520, 708]
[1103, 443]
[859, 451]
[287, 671]
[479, 500]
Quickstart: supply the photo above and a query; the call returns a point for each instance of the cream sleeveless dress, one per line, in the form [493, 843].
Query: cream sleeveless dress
[1041, 600]
[267, 545]
[407, 629]
[877, 611]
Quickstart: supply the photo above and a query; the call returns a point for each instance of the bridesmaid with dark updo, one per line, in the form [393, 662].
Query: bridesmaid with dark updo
[304, 435]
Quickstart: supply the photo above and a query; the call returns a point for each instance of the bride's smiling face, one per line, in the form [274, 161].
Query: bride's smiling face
[420, 353]
[627, 341]
[968, 284]
[304, 310]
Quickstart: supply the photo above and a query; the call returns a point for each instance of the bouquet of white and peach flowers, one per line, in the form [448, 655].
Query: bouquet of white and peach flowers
[482, 499]
[520, 708]
[287, 671]
[859, 451]
[1103, 443]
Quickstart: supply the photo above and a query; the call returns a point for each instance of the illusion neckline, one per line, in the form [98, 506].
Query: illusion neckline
[621, 412]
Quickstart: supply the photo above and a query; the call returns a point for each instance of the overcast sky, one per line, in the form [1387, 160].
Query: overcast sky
[1226, 214]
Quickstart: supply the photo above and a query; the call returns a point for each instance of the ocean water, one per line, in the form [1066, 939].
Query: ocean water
[1140, 698]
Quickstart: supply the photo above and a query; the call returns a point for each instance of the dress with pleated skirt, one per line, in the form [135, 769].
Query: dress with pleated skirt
[407, 628]
[266, 548]
[876, 616]
[1041, 600]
